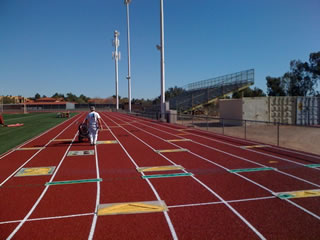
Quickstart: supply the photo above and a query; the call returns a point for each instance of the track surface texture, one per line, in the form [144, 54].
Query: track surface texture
[192, 177]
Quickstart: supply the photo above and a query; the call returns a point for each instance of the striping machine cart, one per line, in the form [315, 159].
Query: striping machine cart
[83, 132]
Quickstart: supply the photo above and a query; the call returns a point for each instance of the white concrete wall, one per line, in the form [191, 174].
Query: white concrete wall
[256, 109]
[70, 106]
[230, 108]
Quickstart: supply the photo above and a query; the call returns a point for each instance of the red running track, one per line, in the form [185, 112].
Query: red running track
[212, 203]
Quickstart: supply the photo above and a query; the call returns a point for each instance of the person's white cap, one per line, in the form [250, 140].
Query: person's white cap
[92, 108]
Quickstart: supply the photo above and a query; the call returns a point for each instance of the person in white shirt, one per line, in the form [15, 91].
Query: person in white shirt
[93, 121]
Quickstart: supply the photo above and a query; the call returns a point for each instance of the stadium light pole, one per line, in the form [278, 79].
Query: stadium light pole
[163, 99]
[116, 57]
[127, 2]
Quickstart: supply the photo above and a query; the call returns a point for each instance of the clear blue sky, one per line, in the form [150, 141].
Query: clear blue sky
[49, 46]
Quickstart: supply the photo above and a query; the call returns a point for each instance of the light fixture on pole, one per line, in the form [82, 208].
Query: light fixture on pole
[116, 56]
[127, 2]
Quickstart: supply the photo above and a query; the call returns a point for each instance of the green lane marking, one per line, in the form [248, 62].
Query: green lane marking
[284, 196]
[167, 175]
[74, 181]
[251, 169]
[312, 165]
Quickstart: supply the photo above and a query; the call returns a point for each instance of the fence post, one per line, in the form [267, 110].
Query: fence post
[222, 126]
[278, 133]
[245, 129]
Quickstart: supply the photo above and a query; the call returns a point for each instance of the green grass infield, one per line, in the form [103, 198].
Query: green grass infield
[34, 124]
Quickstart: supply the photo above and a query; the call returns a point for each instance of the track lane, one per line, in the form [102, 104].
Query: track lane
[312, 175]
[154, 226]
[27, 189]
[277, 199]
[16, 160]
[281, 222]
[247, 225]
[44, 190]
[125, 190]
[59, 229]
[287, 154]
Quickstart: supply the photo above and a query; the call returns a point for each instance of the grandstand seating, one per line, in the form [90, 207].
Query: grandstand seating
[206, 91]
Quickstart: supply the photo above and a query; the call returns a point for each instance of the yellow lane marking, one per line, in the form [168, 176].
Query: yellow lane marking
[179, 140]
[107, 142]
[273, 161]
[172, 150]
[37, 171]
[131, 208]
[30, 148]
[182, 134]
[254, 146]
[160, 168]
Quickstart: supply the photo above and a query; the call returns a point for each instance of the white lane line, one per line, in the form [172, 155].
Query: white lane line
[95, 216]
[263, 187]
[49, 218]
[252, 142]
[252, 150]
[3, 182]
[171, 227]
[303, 209]
[30, 140]
[247, 160]
[240, 140]
[220, 202]
[173, 206]
[42, 194]
[204, 185]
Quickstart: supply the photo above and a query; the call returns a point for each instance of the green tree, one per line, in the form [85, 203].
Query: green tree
[71, 97]
[37, 96]
[248, 92]
[299, 81]
[83, 99]
[173, 92]
[314, 65]
[275, 86]
[114, 96]
[58, 95]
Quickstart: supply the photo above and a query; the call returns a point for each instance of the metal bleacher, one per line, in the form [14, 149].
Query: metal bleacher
[204, 92]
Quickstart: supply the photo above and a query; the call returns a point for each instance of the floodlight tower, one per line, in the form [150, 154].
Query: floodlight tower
[116, 56]
[127, 2]
[161, 48]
